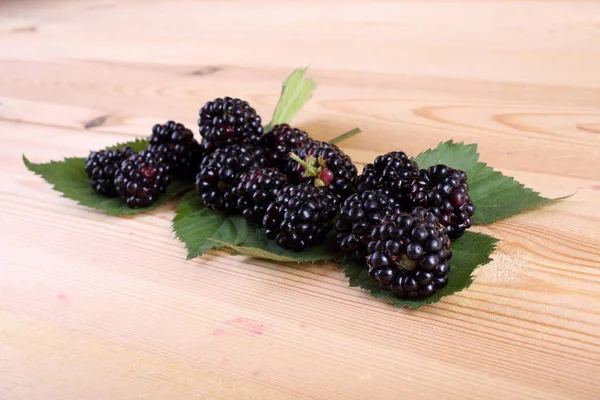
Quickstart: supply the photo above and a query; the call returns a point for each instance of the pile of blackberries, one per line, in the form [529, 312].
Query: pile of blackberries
[139, 179]
[395, 218]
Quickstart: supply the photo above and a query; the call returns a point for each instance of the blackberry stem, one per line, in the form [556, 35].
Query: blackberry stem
[312, 171]
[345, 136]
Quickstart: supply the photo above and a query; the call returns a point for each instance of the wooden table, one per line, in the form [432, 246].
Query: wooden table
[97, 307]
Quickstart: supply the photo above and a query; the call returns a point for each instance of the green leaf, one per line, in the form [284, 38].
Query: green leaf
[136, 145]
[468, 252]
[296, 91]
[258, 245]
[254, 252]
[495, 195]
[345, 136]
[69, 178]
[202, 229]
[457, 155]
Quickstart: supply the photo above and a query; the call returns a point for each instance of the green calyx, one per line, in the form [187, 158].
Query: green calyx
[313, 167]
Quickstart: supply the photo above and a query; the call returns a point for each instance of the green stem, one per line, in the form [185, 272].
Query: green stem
[345, 136]
[311, 170]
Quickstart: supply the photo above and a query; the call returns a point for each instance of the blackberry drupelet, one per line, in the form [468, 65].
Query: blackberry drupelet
[328, 167]
[221, 171]
[409, 254]
[301, 216]
[445, 192]
[225, 121]
[206, 147]
[256, 190]
[311, 144]
[281, 140]
[100, 167]
[388, 171]
[141, 179]
[358, 216]
[175, 145]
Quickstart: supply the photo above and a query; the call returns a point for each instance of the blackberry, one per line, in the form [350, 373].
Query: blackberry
[311, 144]
[225, 121]
[175, 145]
[358, 216]
[327, 166]
[445, 192]
[221, 171]
[100, 167]
[301, 216]
[206, 146]
[281, 140]
[256, 190]
[141, 179]
[409, 254]
[294, 170]
[388, 171]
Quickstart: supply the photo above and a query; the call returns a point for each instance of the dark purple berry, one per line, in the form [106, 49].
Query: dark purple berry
[326, 167]
[280, 141]
[300, 217]
[100, 168]
[358, 216]
[225, 121]
[409, 265]
[221, 172]
[174, 144]
[256, 190]
[388, 172]
[141, 179]
[444, 192]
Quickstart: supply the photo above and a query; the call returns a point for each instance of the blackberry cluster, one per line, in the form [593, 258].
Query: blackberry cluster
[281, 140]
[409, 254]
[141, 179]
[256, 190]
[221, 171]
[358, 216]
[389, 171]
[226, 121]
[175, 145]
[443, 191]
[328, 167]
[100, 168]
[301, 216]
[393, 217]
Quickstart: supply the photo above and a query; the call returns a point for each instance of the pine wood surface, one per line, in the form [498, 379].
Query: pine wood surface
[98, 307]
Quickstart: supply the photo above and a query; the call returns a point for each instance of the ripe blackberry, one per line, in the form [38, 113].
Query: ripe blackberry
[221, 171]
[291, 167]
[206, 147]
[256, 190]
[100, 167]
[175, 145]
[327, 166]
[301, 216]
[141, 179]
[311, 144]
[281, 140]
[445, 192]
[358, 216]
[225, 121]
[409, 254]
[389, 171]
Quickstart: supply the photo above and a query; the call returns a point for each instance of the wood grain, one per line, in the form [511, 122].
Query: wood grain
[98, 307]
